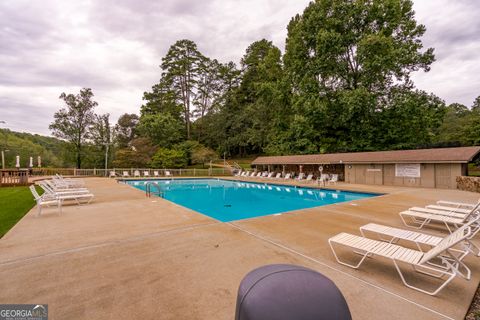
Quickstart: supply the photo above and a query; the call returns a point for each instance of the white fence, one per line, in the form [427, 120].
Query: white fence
[131, 172]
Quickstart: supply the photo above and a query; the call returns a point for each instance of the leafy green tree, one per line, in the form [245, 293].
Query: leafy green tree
[453, 126]
[128, 158]
[248, 115]
[162, 99]
[188, 147]
[101, 134]
[162, 129]
[72, 123]
[342, 60]
[125, 129]
[203, 155]
[137, 155]
[411, 119]
[471, 128]
[169, 159]
[181, 67]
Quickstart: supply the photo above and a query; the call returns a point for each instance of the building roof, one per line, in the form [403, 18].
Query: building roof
[441, 155]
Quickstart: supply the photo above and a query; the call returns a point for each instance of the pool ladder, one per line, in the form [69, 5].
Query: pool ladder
[148, 189]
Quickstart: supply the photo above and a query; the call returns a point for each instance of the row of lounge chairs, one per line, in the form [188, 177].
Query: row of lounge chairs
[57, 190]
[322, 179]
[432, 255]
[136, 174]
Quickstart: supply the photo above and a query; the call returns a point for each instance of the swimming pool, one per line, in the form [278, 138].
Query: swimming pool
[229, 200]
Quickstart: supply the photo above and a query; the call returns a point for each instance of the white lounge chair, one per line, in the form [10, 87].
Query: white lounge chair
[239, 173]
[65, 196]
[422, 262]
[44, 200]
[67, 183]
[457, 209]
[422, 240]
[322, 180]
[309, 178]
[126, 174]
[168, 174]
[287, 176]
[112, 174]
[270, 175]
[136, 173]
[278, 176]
[301, 176]
[451, 213]
[457, 204]
[418, 219]
[156, 174]
[54, 187]
[146, 174]
[265, 174]
[333, 179]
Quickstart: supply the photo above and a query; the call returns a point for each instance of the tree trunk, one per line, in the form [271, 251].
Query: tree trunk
[79, 157]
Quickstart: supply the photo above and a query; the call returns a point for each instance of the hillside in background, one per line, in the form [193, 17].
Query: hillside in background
[53, 151]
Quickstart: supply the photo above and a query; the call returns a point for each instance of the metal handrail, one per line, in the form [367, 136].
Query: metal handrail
[148, 189]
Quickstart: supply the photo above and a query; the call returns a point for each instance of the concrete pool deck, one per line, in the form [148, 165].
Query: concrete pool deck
[128, 256]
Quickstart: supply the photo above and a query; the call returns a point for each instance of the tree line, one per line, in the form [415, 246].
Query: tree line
[343, 84]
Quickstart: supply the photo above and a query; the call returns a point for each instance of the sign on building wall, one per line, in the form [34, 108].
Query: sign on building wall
[411, 170]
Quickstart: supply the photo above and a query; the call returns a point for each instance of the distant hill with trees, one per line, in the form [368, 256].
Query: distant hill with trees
[53, 151]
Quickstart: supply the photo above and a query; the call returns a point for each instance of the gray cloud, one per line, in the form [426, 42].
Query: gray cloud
[115, 47]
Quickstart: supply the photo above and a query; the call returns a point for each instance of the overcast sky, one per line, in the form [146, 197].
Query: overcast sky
[115, 47]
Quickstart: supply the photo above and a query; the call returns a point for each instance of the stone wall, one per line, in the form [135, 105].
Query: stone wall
[468, 184]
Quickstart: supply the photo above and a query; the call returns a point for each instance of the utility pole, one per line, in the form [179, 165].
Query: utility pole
[4, 150]
[3, 158]
[106, 158]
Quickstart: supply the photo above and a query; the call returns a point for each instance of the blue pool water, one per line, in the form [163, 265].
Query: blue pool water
[228, 200]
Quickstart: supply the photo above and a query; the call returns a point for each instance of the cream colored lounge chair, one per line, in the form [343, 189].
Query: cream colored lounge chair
[136, 173]
[422, 262]
[446, 210]
[287, 176]
[67, 183]
[301, 175]
[156, 174]
[419, 219]
[278, 176]
[66, 195]
[422, 240]
[322, 180]
[146, 174]
[62, 189]
[309, 178]
[45, 200]
[125, 174]
[333, 179]
[457, 204]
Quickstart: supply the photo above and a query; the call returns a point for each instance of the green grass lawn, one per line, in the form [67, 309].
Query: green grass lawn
[473, 170]
[15, 202]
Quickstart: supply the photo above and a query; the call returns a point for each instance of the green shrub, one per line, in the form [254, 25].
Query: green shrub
[169, 159]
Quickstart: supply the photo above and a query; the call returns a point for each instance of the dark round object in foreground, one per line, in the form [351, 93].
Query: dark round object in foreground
[289, 292]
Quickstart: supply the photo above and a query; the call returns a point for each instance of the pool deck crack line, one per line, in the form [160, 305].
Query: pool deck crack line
[107, 243]
[338, 270]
